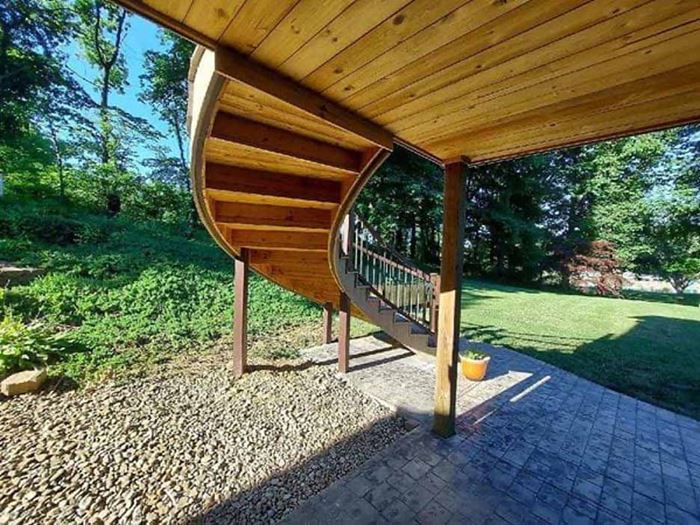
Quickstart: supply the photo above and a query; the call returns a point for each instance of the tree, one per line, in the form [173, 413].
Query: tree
[676, 213]
[164, 86]
[597, 263]
[505, 212]
[31, 32]
[104, 28]
[403, 201]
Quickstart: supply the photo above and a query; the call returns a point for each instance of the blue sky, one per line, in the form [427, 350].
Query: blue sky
[141, 36]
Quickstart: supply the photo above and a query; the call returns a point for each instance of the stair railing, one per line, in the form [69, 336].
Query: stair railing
[392, 277]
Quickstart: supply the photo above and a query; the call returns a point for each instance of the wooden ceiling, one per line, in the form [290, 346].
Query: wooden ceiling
[483, 79]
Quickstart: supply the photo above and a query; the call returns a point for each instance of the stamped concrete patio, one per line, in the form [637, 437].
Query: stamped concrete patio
[535, 444]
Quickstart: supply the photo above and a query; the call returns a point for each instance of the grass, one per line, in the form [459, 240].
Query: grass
[645, 349]
[130, 295]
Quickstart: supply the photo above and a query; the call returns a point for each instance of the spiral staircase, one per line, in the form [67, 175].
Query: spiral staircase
[276, 171]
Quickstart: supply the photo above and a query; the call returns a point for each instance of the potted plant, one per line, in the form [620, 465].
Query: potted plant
[474, 363]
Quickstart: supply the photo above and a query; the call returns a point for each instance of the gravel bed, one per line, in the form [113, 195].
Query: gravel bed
[187, 445]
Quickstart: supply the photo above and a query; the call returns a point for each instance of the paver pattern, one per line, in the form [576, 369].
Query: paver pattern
[535, 444]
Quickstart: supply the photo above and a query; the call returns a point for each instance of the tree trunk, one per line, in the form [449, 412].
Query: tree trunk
[59, 161]
[413, 239]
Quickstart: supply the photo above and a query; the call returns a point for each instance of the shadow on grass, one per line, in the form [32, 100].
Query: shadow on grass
[656, 361]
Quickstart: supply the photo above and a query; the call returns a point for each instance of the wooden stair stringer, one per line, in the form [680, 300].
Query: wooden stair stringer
[279, 188]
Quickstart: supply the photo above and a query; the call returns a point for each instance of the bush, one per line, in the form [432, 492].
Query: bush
[26, 346]
[53, 223]
[137, 292]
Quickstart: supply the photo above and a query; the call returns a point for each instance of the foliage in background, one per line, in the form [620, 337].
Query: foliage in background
[131, 292]
[403, 200]
[527, 217]
[594, 266]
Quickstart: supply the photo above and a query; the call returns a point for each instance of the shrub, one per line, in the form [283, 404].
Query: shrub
[25, 346]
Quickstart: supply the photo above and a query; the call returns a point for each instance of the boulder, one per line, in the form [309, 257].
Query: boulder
[11, 275]
[23, 382]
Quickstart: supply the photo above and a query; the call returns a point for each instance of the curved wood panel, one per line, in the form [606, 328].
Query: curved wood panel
[273, 177]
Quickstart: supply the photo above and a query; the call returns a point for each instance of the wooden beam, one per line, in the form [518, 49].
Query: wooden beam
[281, 258]
[327, 323]
[240, 314]
[450, 300]
[161, 19]
[239, 130]
[260, 216]
[245, 183]
[238, 67]
[343, 333]
[277, 240]
[308, 272]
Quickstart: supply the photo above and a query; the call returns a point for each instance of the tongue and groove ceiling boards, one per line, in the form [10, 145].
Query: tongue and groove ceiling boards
[481, 79]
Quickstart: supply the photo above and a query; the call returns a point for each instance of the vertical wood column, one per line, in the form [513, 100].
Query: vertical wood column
[348, 230]
[344, 334]
[327, 323]
[240, 313]
[447, 355]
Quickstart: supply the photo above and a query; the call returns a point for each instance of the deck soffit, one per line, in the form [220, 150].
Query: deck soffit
[483, 79]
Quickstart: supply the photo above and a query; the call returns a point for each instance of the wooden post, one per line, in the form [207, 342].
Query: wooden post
[327, 323]
[447, 355]
[348, 230]
[435, 305]
[344, 334]
[240, 313]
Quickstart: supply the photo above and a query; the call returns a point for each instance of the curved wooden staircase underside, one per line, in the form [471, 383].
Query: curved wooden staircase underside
[277, 179]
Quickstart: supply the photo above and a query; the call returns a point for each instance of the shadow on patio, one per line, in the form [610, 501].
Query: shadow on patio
[533, 443]
[654, 361]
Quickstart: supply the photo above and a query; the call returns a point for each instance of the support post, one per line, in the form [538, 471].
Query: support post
[435, 302]
[327, 323]
[240, 313]
[348, 233]
[447, 354]
[344, 334]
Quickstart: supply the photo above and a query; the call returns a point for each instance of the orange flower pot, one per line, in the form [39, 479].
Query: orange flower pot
[474, 369]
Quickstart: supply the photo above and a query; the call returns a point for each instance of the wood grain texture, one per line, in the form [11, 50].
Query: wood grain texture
[278, 240]
[243, 100]
[261, 216]
[344, 315]
[434, 72]
[230, 153]
[259, 136]
[237, 67]
[240, 313]
[451, 268]
[242, 180]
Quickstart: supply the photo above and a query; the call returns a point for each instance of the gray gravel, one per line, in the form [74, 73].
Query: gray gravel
[187, 445]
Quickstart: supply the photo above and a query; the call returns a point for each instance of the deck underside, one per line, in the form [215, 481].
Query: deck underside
[481, 79]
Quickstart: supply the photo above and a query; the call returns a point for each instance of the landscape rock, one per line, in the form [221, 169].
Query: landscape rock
[186, 444]
[23, 382]
[11, 275]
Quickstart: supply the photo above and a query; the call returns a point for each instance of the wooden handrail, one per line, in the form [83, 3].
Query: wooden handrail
[405, 260]
[392, 277]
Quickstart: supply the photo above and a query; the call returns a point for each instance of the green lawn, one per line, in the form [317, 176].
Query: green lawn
[648, 350]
